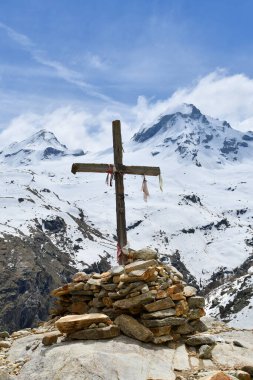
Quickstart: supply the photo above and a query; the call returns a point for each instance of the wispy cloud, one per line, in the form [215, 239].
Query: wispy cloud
[62, 71]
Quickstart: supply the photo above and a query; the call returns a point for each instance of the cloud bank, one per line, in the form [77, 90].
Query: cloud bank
[223, 96]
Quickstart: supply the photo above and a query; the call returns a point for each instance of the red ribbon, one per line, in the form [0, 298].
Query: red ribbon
[119, 253]
[110, 174]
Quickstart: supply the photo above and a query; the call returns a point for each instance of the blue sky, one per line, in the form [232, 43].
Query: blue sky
[99, 55]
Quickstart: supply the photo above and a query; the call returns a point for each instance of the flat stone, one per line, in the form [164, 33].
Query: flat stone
[72, 323]
[181, 360]
[94, 281]
[150, 274]
[109, 287]
[137, 273]
[159, 331]
[80, 277]
[205, 352]
[164, 303]
[121, 358]
[170, 321]
[162, 339]
[132, 328]
[117, 270]
[144, 254]
[134, 301]
[189, 291]
[195, 302]
[140, 264]
[97, 333]
[50, 338]
[199, 340]
[159, 314]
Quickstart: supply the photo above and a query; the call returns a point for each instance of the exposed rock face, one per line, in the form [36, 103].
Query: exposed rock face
[27, 275]
[124, 358]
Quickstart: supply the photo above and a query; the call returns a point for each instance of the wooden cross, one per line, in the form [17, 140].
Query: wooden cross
[118, 170]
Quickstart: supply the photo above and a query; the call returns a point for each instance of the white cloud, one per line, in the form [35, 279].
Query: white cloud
[223, 96]
[217, 94]
[73, 126]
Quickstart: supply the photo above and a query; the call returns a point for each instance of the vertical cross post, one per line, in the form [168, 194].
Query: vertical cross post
[119, 188]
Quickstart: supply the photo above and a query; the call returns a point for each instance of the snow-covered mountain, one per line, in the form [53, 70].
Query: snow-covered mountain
[42, 145]
[196, 138]
[53, 223]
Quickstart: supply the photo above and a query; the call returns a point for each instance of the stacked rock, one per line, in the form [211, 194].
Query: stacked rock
[147, 299]
[88, 326]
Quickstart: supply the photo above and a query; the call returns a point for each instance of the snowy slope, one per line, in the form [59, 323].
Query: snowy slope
[202, 221]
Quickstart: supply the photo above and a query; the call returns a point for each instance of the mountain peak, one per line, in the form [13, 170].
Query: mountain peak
[195, 137]
[42, 145]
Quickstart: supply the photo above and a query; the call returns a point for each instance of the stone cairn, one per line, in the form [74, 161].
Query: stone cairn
[145, 299]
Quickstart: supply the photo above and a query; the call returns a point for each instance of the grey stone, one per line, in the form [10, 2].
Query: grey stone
[186, 328]
[132, 328]
[205, 352]
[237, 343]
[198, 325]
[159, 314]
[199, 340]
[181, 360]
[109, 287]
[97, 333]
[162, 339]
[189, 291]
[140, 265]
[4, 334]
[195, 302]
[117, 270]
[144, 254]
[170, 321]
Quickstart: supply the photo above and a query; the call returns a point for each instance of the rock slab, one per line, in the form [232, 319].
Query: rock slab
[132, 328]
[72, 323]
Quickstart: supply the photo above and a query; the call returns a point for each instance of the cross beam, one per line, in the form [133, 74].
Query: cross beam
[119, 171]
